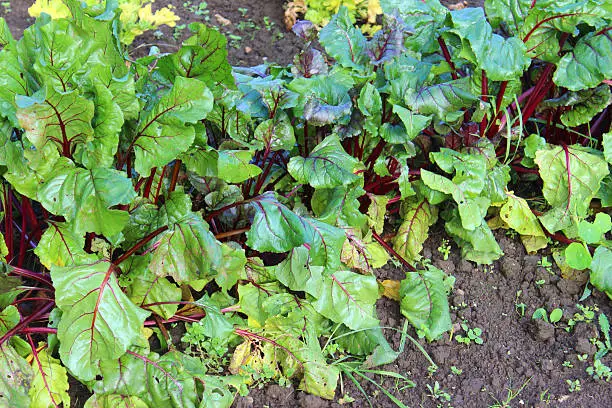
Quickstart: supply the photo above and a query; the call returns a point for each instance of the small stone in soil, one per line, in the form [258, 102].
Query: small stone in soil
[584, 346]
[510, 267]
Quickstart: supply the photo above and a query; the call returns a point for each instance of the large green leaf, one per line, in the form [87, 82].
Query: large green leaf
[61, 246]
[418, 216]
[53, 117]
[343, 41]
[445, 100]
[203, 56]
[349, 298]
[278, 229]
[502, 59]
[83, 197]
[478, 245]
[587, 65]
[571, 178]
[584, 104]
[164, 132]
[517, 214]
[297, 274]
[99, 321]
[188, 251]
[327, 166]
[424, 301]
[50, 382]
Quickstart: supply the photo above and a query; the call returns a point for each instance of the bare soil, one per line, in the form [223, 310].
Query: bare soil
[517, 350]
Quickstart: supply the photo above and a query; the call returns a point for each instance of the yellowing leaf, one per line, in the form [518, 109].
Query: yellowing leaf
[50, 382]
[391, 289]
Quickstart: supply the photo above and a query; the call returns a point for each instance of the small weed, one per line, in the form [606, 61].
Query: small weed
[178, 31]
[444, 249]
[6, 5]
[546, 264]
[243, 11]
[555, 315]
[519, 307]
[512, 394]
[582, 357]
[573, 385]
[540, 282]
[268, 25]
[568, 364]
[432, 369]
[436, 392]
[472, 335]
[456, 371]
[545, 396]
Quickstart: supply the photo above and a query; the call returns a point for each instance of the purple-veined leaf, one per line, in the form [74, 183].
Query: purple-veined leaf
[61, 246]
[589, 63]
[424, 301]
[114, 401]
[84, 196]
[327, 166]
[572, 177]
[418, 216]
[278, 229]
[60, 118]
[308, 63]
[50, 383]
[388, 42]
[15, 378]
[343, 41]
[349, 298]
[164, 132]
[445, 100]
[99, 321]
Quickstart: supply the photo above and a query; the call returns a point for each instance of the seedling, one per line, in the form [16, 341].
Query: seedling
[444, 248]
[7, 6]
[546, 264]
[512, 394]
[472, 335]
[519, 307]
[243, 11]
[540, 282]
[437, 393]
[574, 385]
[555, 315]
[568, 364]
[456, 371]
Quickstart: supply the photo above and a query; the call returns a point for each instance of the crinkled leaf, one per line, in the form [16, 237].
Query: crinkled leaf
[99, 321]
[343, 41]
[231, 267]
[442, 100]
[214, 324]
[277, 229]
[424, 301]
[327, 166]
[584, 104]
[587, 65]
[188, 251]
[84, 196]
[478, 245]
[418, 216]
[571, 179]
[601, 270]
[413, 124]
[349, 298]
[50, 382]
[607, 146]
[164, 132]
[339, 206]
[297, 274]
[363, 253]
[203, 56]
[388, 42]
[276, 134]
[376, 212]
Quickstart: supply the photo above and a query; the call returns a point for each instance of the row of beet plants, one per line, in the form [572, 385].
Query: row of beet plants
[253, 206]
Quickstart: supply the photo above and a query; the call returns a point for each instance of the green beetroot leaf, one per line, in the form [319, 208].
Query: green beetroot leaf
[327, 166]
[444, 100]
[61, 246]
[165, 132]
[114, 401]
[587, 65]
[424, 301]
[607, 146]
[343, 41]
[203, 56]
[572, 177]
[418, 216]
[232, 166]
[53, 117]
[99, 321]
[502, 59]
[584, 104]
[518, 216]
[601, 270]
[146, 287]
[349, 298]
[277, 229]
[84, 197]
[340, 205]
[187, 251]
[577, 256]
[296, 273]
[50, 383]
[477, 245]
[388, 42]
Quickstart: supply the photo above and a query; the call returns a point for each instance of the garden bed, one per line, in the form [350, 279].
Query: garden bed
[536, 360]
